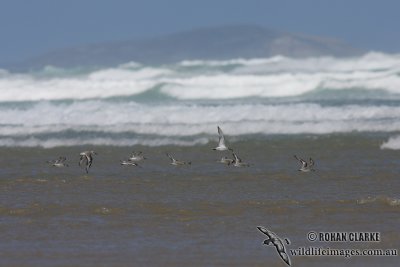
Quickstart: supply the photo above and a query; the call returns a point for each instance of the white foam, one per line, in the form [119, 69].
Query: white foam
[228, 86]
[238, 61]
[272, 77]
[282, 77]
[130, 65]
[372, 61]
[47, 123]
[392, 143]
[99, 84]
[58, 142]
[191, 120]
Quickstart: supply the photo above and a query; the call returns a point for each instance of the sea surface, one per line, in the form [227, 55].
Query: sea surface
[342, 112]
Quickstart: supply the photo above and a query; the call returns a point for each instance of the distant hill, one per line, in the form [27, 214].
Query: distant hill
[217, 43]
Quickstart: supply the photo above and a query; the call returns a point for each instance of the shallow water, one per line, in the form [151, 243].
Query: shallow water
[200, 215]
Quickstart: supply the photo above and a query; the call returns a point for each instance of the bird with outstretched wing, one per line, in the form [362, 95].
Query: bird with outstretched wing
[274, 239]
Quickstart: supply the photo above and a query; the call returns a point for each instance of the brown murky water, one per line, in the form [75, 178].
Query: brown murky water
[202, 215]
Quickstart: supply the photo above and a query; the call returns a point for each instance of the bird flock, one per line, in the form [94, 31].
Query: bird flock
[86, 158]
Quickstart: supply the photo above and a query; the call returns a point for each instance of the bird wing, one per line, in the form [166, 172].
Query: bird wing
[170, 157]
[285, 257]
[274, 237]
[278, 244]
[265, 231]
[237, 159]
[83, 160]
[221, 141]
[135, 154]
[302, 161]
[89, 160]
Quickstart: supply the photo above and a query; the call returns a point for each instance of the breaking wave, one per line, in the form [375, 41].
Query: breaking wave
[123, 142]
[392, 143]
[196, 119]
[182, 103]
[233, 79]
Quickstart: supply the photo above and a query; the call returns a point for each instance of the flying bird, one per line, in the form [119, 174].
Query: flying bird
[305, 167]
[137, 156]
[238, 162]
[60, 162]
[273, 239]
[221, 142]
[87, 159]
[226, 160]
[177, 162]
[129, 163]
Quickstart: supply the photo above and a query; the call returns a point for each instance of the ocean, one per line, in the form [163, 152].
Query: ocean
[341, 112]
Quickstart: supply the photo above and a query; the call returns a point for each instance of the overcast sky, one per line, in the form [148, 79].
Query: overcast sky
[32, 27]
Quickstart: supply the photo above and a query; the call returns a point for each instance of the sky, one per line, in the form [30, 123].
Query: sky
[33, 27]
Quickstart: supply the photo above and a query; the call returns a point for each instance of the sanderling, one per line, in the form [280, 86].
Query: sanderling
[87, 158]
[60, 162]
[238, 162]
[129, 163]
[305, 167]
[226, 160]
[177, 162]
[137, 156]
[221, 142]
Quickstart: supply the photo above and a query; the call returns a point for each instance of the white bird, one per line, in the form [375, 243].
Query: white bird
[177, 162]
[305, 167]
[60, 162]
[129, 163]
[137, 156]
[87, 159]
[238, 162]
[226, 160]
[221, 142]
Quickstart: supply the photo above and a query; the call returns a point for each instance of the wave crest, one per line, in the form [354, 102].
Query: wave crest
[123, 142]
[191, 120]
[239, 78]
[392, 143]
